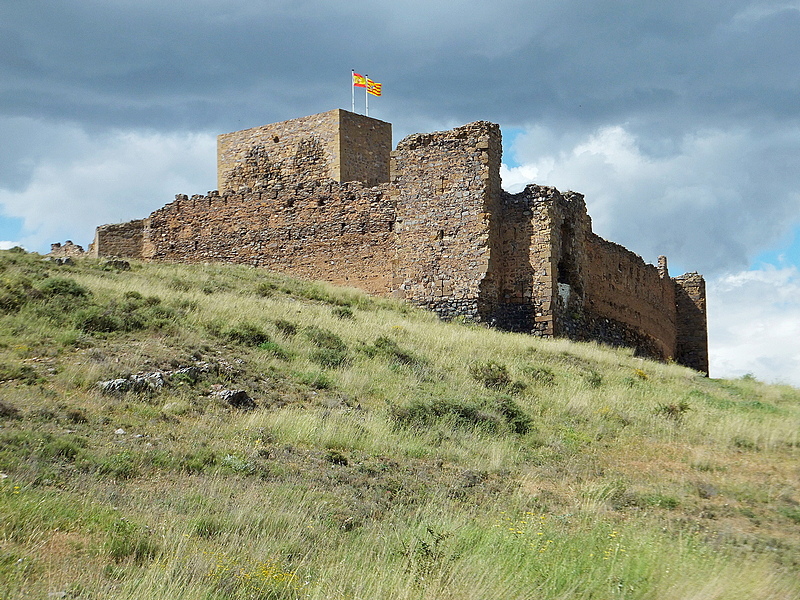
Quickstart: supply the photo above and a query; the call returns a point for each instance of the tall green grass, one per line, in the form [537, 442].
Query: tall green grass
[389, 455]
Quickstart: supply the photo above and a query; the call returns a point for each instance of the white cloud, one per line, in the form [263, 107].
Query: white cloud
[709, 200]
[754, 324]
[84, 181]
[5, 245]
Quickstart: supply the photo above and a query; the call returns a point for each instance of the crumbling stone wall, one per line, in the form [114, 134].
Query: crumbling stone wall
[67, 250]
[121, 240]
[323, 230]
[692, 328]
[637, 302]
[559, 278]
[446, 187]
[365, 145]
[310, 197]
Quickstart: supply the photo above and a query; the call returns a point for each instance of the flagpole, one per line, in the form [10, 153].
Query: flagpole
[353, 90]
[366, 94]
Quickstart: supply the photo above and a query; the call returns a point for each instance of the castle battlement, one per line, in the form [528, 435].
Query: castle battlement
[324, 197]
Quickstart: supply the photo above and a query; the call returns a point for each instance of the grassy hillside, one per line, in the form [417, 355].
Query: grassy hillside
[375, 452]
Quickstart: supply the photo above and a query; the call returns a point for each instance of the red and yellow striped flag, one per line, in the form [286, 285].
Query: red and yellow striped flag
[373, 87]
[359, 80]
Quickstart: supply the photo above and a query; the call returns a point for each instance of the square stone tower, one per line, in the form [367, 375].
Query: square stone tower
[337, 145]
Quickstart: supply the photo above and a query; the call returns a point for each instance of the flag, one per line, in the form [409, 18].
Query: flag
[359, 80]
[373, 87]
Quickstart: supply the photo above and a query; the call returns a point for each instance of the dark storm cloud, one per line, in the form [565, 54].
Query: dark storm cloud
[153, 64]
[665, 72]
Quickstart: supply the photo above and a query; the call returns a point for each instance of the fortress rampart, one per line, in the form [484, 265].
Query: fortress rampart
[324, 197]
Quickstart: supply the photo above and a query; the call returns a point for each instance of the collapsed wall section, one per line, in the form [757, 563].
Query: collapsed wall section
[340, 233]
[447, 189]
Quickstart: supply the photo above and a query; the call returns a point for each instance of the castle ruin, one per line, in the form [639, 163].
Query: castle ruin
[325, 197]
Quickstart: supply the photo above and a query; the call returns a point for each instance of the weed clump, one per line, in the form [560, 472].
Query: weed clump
[96, 319]
[287, 328]
[60, 286]
[275, 350]
[460, 414]
[491, 374]
[128, 540]
[318, 380]
[122, 465]
[246, 334]
[389, 349]
[14, 293]
[593, 378]
[8, 411]
[494, 376]
[540, 375]
[493, 415]
[331, 351]
[343, 312]
[134, 312]
[517, 419]
[23, 373]
[335, 457]
[675, 410]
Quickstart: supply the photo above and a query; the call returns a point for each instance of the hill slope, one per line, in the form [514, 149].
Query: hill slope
[221, 432]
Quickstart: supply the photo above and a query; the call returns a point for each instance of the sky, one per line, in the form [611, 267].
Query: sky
[679, 121]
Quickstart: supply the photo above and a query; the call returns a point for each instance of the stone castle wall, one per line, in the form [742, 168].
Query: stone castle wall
[120, 240]
[365, 145]
[445, 187]
[325, 230]
[633, 296]
[692, 340]
[319, 198]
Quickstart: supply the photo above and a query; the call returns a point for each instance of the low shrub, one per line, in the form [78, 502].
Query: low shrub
[287, 328]
[61, 286]
[246, 334]
[266, 289]
[315, 379]
[460, 414]
[129, 541]
[324, 338]
[275, 350]
[494, 415]
[514, 416]
[387, 348]
[540, 375]
[331, 351]
[491, 374]
[96, 319]
[674, 411]
[122, 465]
[342, 312]
[329, 357]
